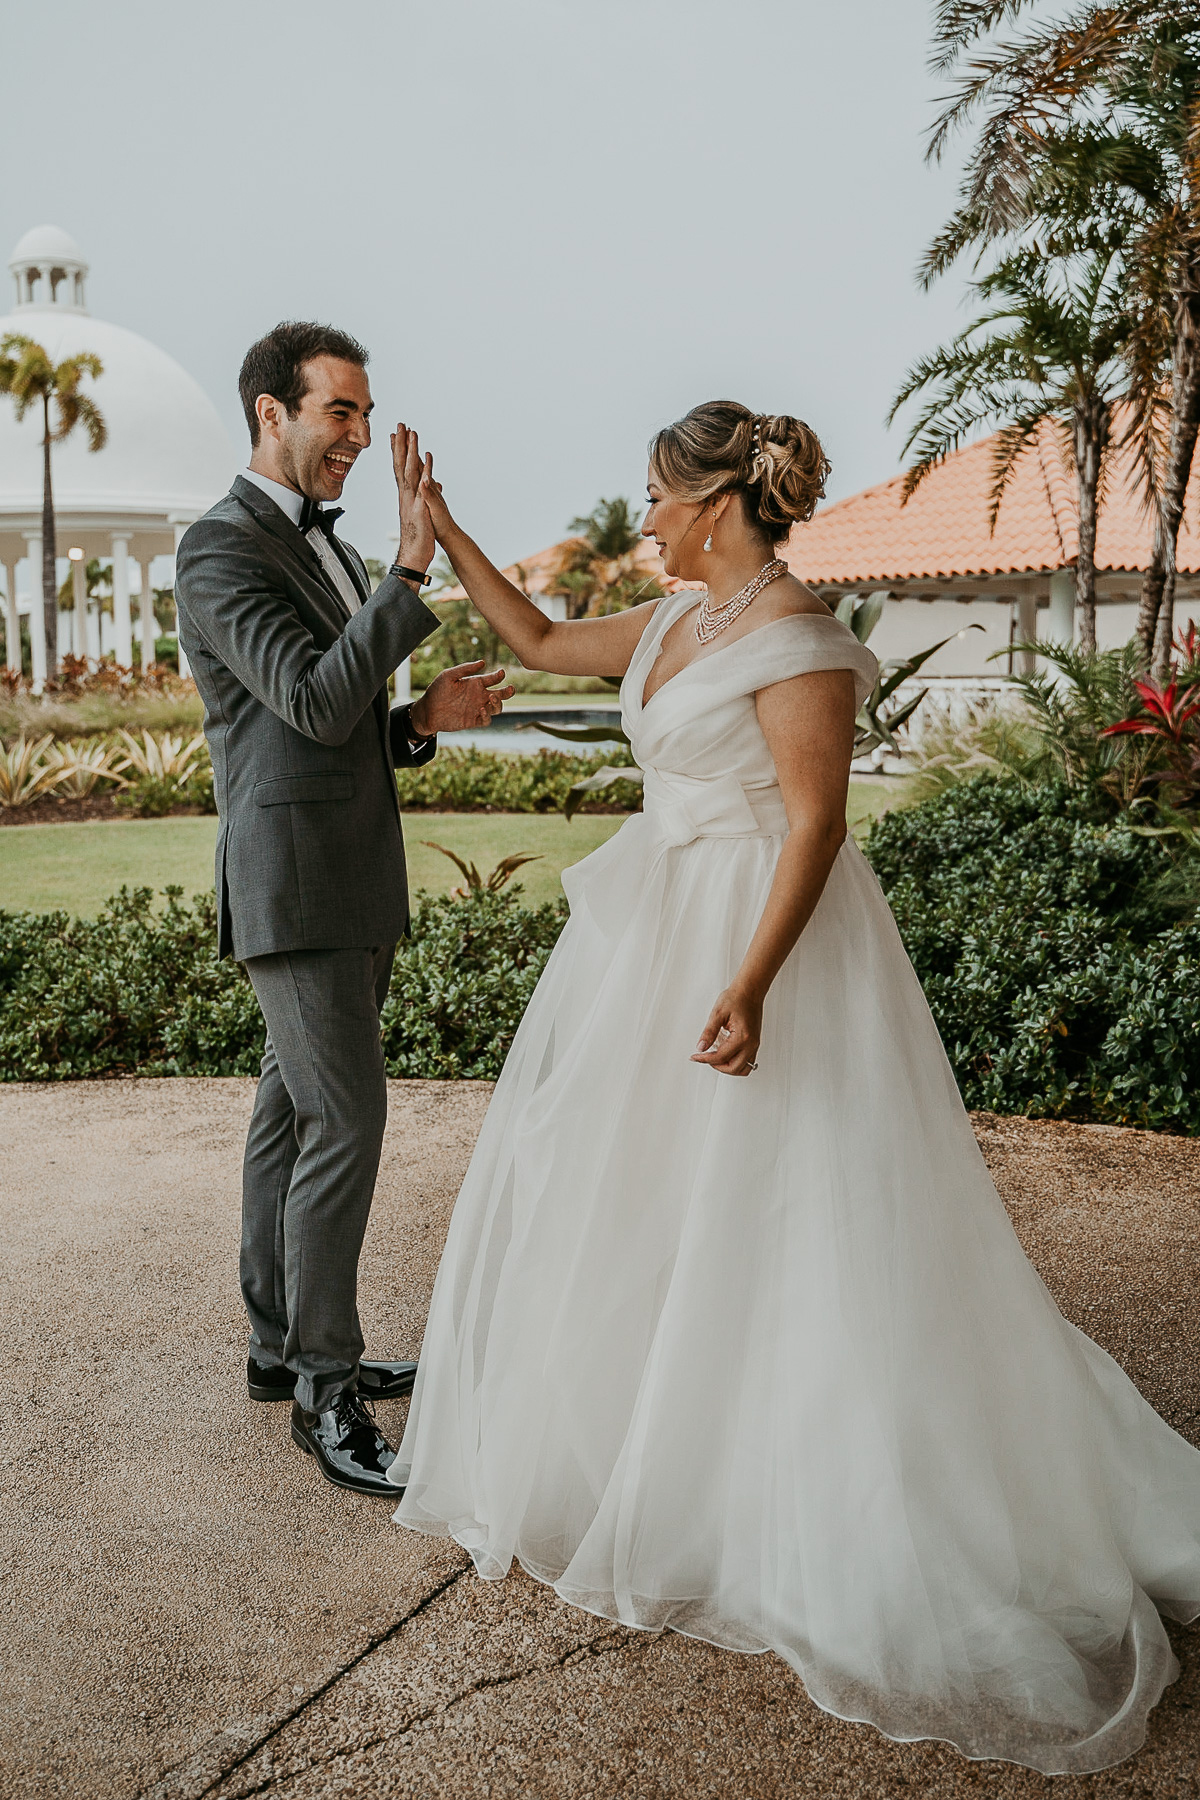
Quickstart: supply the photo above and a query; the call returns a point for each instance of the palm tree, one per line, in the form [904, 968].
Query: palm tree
[1104, 103]
[1049, 348]
[29, 377]
[597, 570]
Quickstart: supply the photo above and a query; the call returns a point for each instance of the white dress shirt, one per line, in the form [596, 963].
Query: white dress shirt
[290, 502]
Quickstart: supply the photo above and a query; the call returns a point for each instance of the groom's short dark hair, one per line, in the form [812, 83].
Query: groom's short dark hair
[275, 365]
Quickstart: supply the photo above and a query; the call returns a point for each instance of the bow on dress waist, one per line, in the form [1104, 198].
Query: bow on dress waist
[681, 808]
[617, 880]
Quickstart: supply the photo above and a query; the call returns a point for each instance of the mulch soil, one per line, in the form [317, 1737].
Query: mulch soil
[52, 811]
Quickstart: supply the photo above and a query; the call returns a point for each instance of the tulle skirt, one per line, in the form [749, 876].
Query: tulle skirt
[762, 1360]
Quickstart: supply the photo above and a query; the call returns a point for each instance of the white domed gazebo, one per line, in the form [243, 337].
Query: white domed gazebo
[167, 459]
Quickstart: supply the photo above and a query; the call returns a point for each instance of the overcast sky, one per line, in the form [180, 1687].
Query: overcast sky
[555, 225]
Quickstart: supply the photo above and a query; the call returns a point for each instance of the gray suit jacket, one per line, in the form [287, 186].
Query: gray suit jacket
[309, 853]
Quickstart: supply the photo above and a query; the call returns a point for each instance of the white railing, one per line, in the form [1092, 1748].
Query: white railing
[950, 700]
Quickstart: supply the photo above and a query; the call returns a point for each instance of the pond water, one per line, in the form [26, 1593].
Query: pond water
[513, 731]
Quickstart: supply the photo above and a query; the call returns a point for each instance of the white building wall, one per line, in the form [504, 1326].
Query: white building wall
[908, 626]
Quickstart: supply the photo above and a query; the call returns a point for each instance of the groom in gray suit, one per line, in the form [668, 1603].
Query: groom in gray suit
[291, 653]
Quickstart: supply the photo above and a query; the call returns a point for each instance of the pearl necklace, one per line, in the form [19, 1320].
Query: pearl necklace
[712, 620]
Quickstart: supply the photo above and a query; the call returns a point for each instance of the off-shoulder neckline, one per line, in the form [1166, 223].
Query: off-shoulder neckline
[645, 700]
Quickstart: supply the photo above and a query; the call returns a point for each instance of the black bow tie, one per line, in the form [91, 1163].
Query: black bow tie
[312, 513]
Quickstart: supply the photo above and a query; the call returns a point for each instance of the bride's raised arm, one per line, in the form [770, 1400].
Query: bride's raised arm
[571, 647]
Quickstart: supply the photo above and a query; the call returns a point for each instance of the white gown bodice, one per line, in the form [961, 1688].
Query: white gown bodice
[709, 772]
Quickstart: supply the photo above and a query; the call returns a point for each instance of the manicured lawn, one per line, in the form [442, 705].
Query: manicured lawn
[76, 867]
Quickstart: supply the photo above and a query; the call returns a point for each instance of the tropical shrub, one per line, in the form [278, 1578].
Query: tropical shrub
[462, 981]
[83, 764]
[1058, 948]
[1090, 723]
[27, 772]
[139, 991]
[473, 780]
[1168, 724]
[133, 991]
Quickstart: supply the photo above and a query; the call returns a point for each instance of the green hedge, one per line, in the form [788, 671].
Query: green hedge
[1058, 949]
[1060, 952]
[475, 780]
[141, 992]
[469, 780]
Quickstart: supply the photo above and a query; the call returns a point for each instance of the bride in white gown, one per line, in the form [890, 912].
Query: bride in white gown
[739, 1340]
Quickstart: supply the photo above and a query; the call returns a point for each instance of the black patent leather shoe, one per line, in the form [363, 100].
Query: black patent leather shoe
[266, 1381]
[349, 1447]
[386, 1380]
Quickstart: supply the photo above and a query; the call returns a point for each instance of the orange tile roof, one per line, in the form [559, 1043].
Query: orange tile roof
[943, 531]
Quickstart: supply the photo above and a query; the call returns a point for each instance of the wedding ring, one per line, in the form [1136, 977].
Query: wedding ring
[750, 1068]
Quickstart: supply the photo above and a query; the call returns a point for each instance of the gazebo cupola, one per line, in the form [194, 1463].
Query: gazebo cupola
[49, 270]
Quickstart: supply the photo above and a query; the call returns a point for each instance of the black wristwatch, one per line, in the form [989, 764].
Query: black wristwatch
[419, 576]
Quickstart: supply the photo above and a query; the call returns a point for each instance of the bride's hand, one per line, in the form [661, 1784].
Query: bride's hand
[435, 505]
[729, 1042]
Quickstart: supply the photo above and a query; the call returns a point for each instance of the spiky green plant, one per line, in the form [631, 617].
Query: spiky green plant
[165, 756]
[84, 763]
[473, 881]
[27, 770]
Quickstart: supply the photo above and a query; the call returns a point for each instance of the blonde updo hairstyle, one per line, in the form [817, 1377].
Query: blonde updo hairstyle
[774, 462]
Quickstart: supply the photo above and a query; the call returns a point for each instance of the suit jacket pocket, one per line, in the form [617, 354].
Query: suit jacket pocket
[293, 790]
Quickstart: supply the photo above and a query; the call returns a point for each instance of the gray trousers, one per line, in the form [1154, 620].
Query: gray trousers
[312, 1155]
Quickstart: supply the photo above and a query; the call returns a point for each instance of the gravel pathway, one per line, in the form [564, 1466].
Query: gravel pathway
[189, 1611]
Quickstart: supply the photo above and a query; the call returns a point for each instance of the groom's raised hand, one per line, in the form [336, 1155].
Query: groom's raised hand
[417, 541]
[460, 699]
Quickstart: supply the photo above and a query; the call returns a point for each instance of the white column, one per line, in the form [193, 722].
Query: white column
[65, 627]
[181, 526]
[79, 618]
[1025, 660]
[146, 612]
[12, 622]
[121, 615]
[92, 616]
[37, 609]
[1060, 625]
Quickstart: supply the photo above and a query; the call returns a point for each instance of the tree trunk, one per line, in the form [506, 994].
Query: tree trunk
[1164, 632]
[1091, 440]
[1158, 584]
[49, 551]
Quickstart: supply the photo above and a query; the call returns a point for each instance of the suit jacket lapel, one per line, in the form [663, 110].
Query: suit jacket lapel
[275, 521]
[272, 519]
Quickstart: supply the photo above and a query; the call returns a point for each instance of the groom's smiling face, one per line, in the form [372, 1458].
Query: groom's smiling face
[315, 448]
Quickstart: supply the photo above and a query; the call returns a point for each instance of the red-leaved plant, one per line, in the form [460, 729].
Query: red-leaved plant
[1172, 719]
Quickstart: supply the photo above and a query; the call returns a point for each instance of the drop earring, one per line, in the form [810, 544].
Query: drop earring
[708, 539]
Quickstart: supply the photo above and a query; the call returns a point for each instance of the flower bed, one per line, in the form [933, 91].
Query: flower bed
[157, 773]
